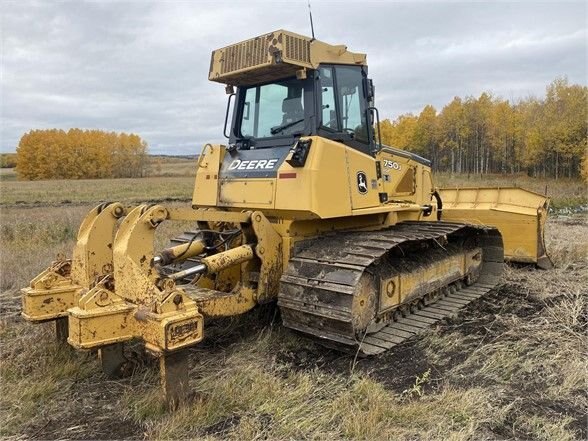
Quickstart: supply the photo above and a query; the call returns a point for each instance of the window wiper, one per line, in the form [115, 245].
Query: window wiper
[278, 129]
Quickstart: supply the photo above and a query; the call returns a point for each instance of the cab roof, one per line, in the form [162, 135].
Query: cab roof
[276, 55]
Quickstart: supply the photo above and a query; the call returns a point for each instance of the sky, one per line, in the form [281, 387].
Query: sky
[142, 67]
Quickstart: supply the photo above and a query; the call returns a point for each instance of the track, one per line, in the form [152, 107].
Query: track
[318, 291]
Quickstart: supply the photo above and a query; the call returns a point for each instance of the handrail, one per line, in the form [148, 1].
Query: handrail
[375, 109]
[227, 114]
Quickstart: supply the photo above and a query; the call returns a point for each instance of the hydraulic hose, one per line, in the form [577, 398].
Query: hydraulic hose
[437, 197]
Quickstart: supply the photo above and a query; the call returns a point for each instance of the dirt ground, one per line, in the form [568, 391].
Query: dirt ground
[510, 366]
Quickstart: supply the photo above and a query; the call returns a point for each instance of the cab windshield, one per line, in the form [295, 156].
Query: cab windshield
[275, 109]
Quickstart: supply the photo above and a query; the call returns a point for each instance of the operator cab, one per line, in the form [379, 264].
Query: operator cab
[332, 101]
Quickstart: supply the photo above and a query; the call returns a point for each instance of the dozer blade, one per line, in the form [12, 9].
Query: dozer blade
[518, 214]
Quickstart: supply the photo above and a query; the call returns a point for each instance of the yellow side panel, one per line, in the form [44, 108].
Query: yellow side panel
[206, 183]
[296, 192]
[360, 165]
[416, 187]
[246, 192]
[321, 186]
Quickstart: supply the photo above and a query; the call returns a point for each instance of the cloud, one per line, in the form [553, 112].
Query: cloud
[142, 67]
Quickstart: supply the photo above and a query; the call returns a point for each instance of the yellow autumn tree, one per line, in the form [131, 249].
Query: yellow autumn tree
[542, 136]
[585, 164]
[400, 132]
[79, 154]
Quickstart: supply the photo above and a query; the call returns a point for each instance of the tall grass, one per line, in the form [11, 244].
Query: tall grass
[31, 238]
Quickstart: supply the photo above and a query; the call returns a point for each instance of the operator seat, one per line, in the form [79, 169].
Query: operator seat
[292, 110]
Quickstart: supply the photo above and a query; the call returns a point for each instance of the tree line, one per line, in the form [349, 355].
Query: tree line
[7, 160]
[545, 137]
[80, 154]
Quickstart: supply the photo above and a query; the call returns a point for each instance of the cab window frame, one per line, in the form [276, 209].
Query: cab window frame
[363, 145]
[321, 122]
[278, 139]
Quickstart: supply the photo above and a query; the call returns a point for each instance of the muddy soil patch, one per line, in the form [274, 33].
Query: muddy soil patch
[399, 367]
[481, 317]
[88, 412]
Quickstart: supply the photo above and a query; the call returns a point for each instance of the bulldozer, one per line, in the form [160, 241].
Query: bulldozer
[302, 206]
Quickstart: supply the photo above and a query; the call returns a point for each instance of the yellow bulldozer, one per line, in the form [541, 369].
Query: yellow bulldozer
[302, 206]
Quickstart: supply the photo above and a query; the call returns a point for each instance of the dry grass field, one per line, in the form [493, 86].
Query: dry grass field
[171, 166]
[511, 366]
[168, 179]
[93, 191]
[7, 174]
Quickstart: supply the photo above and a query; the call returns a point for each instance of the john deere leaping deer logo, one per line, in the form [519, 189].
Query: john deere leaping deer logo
[362, 182]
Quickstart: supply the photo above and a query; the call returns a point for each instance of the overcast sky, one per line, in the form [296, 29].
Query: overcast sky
[142, 67]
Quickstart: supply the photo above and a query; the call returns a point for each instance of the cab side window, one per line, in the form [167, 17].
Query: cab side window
[329, 110]
[351, 98]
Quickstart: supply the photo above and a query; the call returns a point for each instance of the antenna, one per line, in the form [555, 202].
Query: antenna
[311, 25]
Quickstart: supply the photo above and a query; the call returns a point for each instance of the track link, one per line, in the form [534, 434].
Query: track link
[317, 289]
